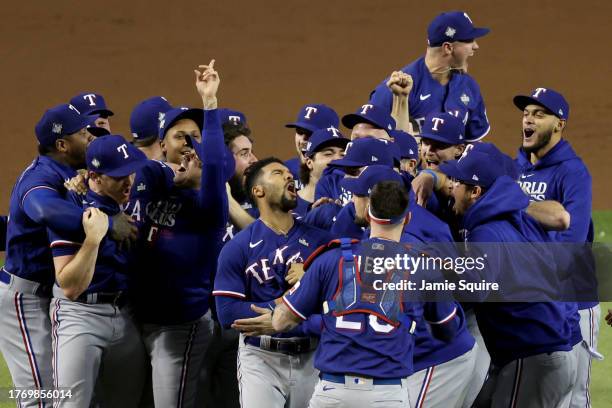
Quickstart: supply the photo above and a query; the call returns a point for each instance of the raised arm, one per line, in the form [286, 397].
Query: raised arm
[212, 151]
[400, 85]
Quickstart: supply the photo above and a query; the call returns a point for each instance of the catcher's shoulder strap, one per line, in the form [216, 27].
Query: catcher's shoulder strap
[344, 243]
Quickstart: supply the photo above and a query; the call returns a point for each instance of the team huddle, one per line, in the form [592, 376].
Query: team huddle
[179, 270]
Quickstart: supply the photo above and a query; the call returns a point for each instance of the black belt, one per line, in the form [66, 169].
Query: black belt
[117, 299]
[297, 345]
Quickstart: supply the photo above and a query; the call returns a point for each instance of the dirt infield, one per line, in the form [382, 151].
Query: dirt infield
[274, 56]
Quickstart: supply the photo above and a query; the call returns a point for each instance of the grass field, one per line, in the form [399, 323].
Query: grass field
[601, 384]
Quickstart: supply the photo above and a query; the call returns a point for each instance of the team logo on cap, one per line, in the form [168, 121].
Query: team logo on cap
[95, 162]
[465, 99]
[538, 91]
[374, 158]
[334, 131]
[162, 123]
[365, 108]
[560, 112]
[234, 119]
[161, 116]
[57, 128]
[450, 32]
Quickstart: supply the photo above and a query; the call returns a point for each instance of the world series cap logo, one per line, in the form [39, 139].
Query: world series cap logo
[57, 128]
[450, 32]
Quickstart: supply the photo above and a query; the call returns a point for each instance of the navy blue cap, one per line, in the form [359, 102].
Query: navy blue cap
[506, 162]
[476, 168]
[409, 148]
[97, 130]
[232, 116]
[365, 152]
[323, 138]
[315, 116]
[60, 121]
[145, 117]
[546, 97]
[375, 115]
[369, 177]
[114, 156]
[453, 26]
[91, 103]
[178, 113]
[443, 127]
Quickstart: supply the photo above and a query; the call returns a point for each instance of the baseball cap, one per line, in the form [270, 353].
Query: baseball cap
[443, 127]
[231, 116]
[323, 138]
[60, 121]
[178, 113]
[91, 103]
[505, 161]
[369, 177]
[375, 115]
[453, 26]
[315, 116]
[145, 117]
[364, 152]
[546, 97]
[408, 146]
[114, 156]
[476, 168]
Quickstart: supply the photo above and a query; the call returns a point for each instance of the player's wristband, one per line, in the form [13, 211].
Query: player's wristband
[433, 174]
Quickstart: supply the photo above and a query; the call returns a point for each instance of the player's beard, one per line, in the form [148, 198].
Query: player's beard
[542, 140]
[287, 204]
[361, 221]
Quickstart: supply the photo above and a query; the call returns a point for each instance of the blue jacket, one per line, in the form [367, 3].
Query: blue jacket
[515, 330]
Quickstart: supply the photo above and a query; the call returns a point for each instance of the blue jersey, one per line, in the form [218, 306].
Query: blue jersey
[110, 273]
[183, 229]
[253, 265]
[329, 186]
[231, 230]
[302, 208]
[460, 97]
[344, 225]
[38, 201]
[358, 343]
[515, 330]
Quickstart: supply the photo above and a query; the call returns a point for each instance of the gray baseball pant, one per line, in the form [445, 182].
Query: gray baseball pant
[268, 379]
[483, 361]
[176, 353]
[25, 337]
[365, 395]
[585, 352]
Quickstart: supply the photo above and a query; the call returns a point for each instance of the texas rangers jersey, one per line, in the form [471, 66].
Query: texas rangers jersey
[293, 164]
[329, 186]
[460, 97]
[178, 249]
[562, 176]
[40, 191]
[110, 273]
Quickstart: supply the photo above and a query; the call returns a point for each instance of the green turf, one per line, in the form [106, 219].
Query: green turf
[601, 391]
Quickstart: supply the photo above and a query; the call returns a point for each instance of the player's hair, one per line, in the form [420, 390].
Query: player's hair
[304, 174]
[145, 141]
[252, 173]
[388, 199]
[45, 150]
[231, 131]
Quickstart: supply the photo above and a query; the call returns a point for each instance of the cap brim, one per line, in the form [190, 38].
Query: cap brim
[98, 131]
[451, 169]
[352, 184]
[350, 120]
[197, 115]
[85, 122]
[478, 32]
[337, 142]
[101, 112]
[345, 163]
[308, 126]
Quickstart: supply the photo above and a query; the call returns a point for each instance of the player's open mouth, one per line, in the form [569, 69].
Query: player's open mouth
[291, 188]
[432, 163]
[527, 133]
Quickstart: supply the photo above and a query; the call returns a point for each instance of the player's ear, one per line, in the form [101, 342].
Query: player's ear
[560, 127]
[61, 145]
[258, 191]
[162, 144]
[309, 163]
[459, 149]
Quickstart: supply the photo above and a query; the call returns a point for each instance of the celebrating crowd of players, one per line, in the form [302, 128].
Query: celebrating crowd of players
[178, 269]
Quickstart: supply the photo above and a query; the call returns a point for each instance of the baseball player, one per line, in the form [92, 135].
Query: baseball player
[440, 79]
[218, 379]
[409, 152]
[551, 170]
[95, 341]
[237, 137]
[310, 118]
[182, 227]
[323, 147]
[94, 105]
[38, 201]
[273, 371]
[366, 347]
[144, 125]
[529, 343]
